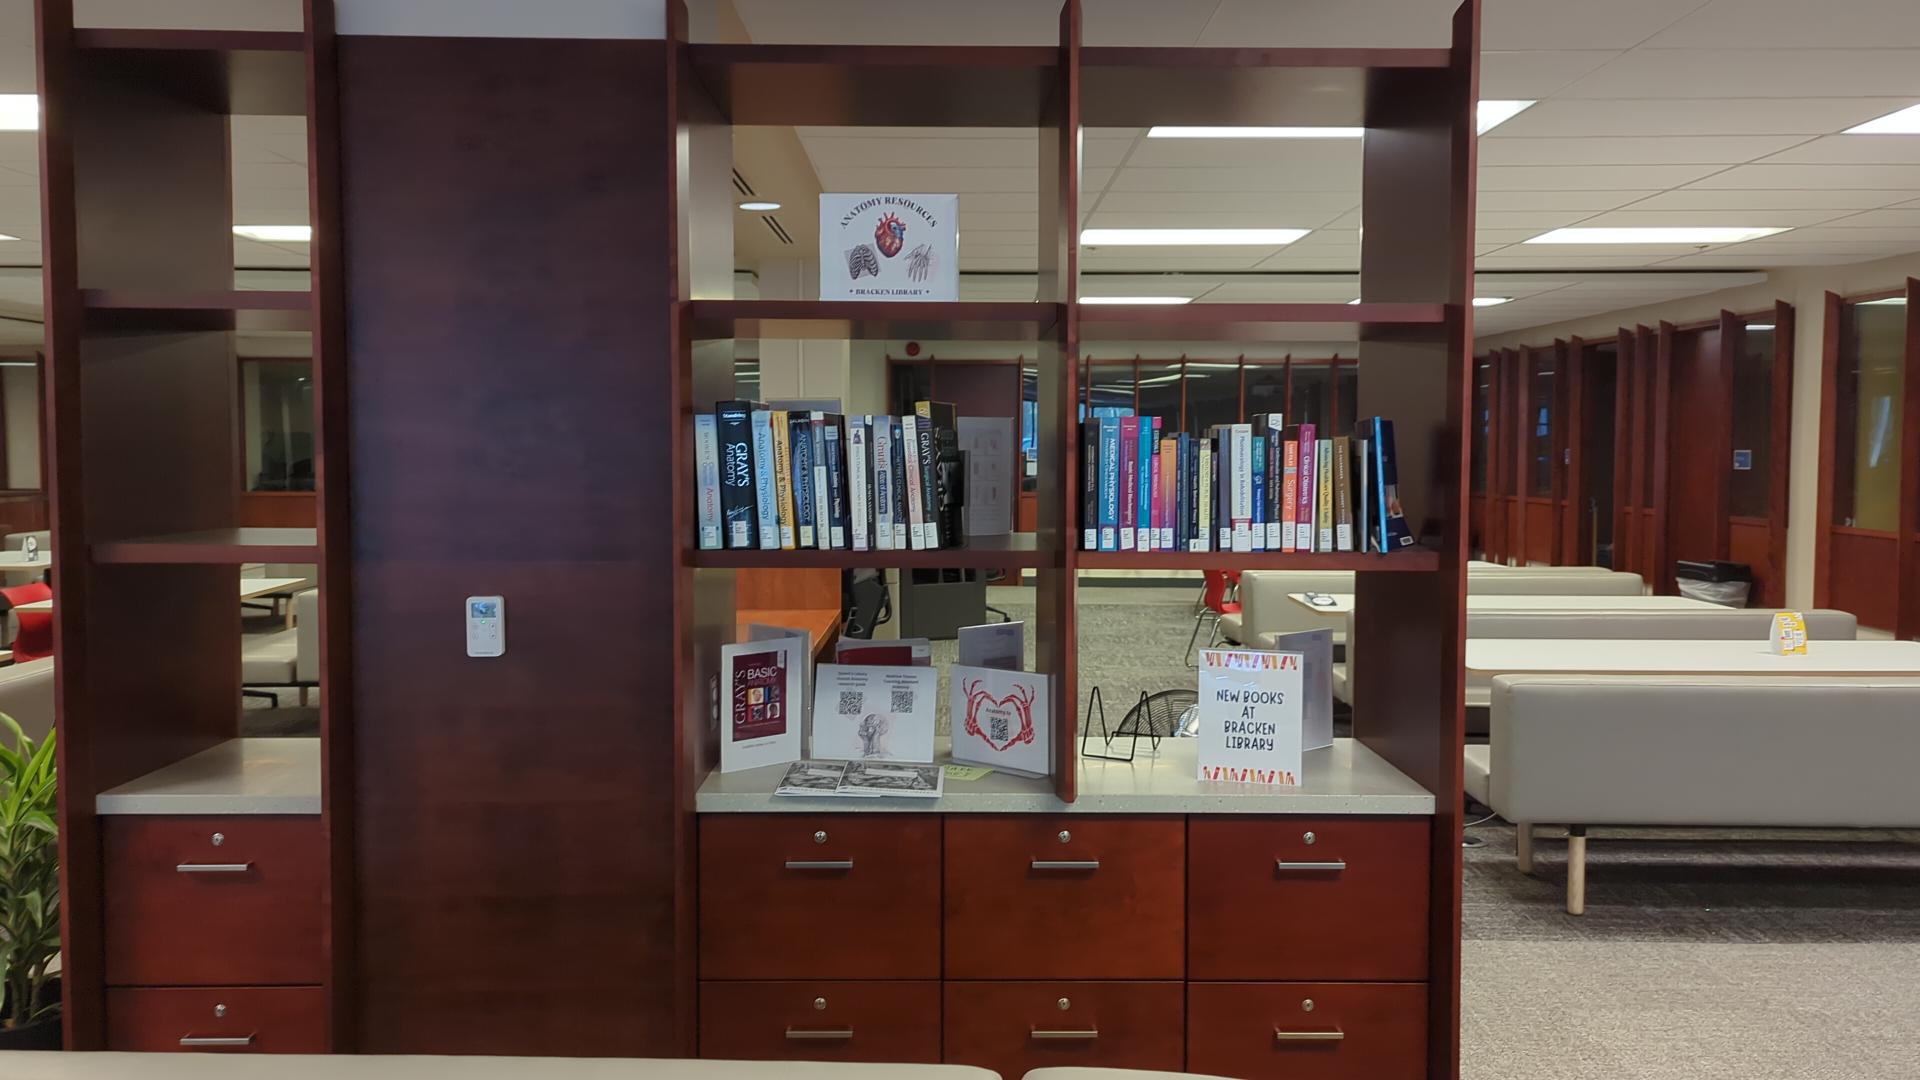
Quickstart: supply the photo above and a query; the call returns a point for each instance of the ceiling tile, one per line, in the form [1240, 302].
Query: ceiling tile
[1309, 204]
[1635, 217]
[1592, 177]
[925, 150]
[1587, 201]
[1323, 177]
[1726, 73]
[1815, 177]
[1535, 75]
[1830, 198]
[1639, 150]
[1852, 150]
[1761, 24]
[1550, 24]
[1688, 116]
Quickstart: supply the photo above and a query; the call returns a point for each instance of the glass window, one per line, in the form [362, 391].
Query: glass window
[1312, 394]
[1213, 394]
[20, 422]
[1160, 394]
[1482, 425]
[1752, 423]
[1867, 446]
[1349, 387]
[1110, 388]
[276, 398]
[1029, 427]
[746, 377]
[1266, 385]
[912, 381]
[1540, 402]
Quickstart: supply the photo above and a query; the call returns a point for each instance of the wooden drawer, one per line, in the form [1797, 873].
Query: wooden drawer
[1307, 899]
[1062, 897]
[1011, 1027]
[220, 901]
[1353, 1031]
[235, 1019]
[828, 896]
[820, 1021]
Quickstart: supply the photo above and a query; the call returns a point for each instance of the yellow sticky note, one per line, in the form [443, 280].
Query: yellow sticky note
[967, 772]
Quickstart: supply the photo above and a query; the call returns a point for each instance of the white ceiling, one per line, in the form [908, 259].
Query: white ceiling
[1652, 112]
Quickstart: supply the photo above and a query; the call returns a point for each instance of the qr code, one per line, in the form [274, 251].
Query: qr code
[999, 728]
[852, 703]
[902, 700]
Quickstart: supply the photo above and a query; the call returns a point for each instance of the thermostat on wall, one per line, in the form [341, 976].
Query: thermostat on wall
[486, 626]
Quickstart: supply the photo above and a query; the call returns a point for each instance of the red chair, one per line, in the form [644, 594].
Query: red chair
[1216, 599]
[35, 637]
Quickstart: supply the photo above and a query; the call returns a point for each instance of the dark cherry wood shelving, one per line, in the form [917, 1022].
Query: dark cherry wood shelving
[238, 72]
[222, 309]
[1250, 322]
[1012, 550]
[213, 546]
[879, 85]
[210, 41]
[1417, 560]
[1143, 86]
[861, 320]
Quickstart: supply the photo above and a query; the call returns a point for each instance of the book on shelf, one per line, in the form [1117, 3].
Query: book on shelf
[706, 475]
[1238, 488]
[774, 479]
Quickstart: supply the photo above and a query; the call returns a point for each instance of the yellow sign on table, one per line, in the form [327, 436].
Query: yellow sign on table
[1789, 634]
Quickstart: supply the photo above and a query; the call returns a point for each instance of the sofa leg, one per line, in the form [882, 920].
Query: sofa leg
[1523, 846]
[303, 697]
[1577, 870]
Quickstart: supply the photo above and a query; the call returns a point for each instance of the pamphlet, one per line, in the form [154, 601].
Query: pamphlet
[766, 632]
[866, 713]
[817, 778]
[861, 780]
[903, 651]
[1789, 634]
[1001, 719]
[1316, 676]
[1250, 716]
[761, 687]
[996, 645]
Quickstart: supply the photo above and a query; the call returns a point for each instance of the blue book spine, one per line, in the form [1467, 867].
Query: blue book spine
[1394, 533]
[802, 456]
[836, 460]
[1143, 485]
[1109, 483]
[1259, 493]
[1190, 478]
[765, 505]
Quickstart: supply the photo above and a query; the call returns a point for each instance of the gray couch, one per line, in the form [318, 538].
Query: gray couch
[288, 659]
[26, 694]
[1801, 751]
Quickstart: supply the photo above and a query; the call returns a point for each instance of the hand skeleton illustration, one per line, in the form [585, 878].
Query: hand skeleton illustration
[919, 263]
[1002, 734]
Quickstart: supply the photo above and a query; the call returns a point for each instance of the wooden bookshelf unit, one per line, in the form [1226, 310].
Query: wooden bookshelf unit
[521, 295]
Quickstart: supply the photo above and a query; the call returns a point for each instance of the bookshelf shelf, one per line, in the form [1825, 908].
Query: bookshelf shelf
[884, 85]
[1416, 560]
[1013, 550]
[225, 309]
[854, 320]
[1253, 322]
[1143, 86]
[213, 546]
[243, 72]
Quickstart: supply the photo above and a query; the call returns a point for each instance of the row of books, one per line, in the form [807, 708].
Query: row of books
[1260, 486]
[779, 480]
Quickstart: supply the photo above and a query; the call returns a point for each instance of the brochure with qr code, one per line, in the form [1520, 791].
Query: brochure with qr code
[761, 714]
[1001, 719]
[873, 713]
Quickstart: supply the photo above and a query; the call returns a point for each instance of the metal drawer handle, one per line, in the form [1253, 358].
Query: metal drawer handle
[798, 1034]
[1335, 1035]
[1336, 865]
[819, 864]
[1090, 1033]
[1066, 864]
[213, 867]
[216, 1040]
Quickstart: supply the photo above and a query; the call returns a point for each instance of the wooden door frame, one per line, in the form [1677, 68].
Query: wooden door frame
[1831, 334]
[1623, 372]
[1780, 453]
[1907, 527]
[1570, 384]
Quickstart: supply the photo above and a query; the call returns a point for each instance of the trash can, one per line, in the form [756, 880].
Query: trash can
[1717, 582]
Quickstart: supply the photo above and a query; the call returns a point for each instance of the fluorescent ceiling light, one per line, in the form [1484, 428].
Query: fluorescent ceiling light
[760, 207]
[1190, 237]
[1904, 122]
[1760, 326]
[282, 234]
[1136, 299]
[18, 363]
[5, 237]
[1491, 114]
[1165, 131]
[1490, 301]
[1677, 235]
[19, 112]
[1891, 301]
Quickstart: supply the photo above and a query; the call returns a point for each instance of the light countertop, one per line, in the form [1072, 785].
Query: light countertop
[239, 776]
[1515, 656]
[1346, 778]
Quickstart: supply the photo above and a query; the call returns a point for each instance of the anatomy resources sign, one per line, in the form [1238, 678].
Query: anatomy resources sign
[1250, 716]
[889, 247]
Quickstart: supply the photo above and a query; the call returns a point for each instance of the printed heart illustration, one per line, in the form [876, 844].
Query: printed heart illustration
[999, 722]
[890, 235]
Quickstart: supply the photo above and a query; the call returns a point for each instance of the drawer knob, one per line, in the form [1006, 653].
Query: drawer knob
[1065, 864]
[819, 864]
[219, 1011]
[1309, 838]
[191, 1041]
[1306, 1004]
[1064, 1004]
[1330, 866]
[1334, 1035]
[1066, 837]
[819, 1003]
[213, 867]
[219, 838]
[1085, 1034]
[819, 1034]
[820, 837]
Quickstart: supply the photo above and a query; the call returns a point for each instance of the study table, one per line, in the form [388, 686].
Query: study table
[250, 587]
[1342, 604]
[1588, 656]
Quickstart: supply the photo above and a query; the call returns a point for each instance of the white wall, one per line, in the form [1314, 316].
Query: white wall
[22, 390]
[1805, 287]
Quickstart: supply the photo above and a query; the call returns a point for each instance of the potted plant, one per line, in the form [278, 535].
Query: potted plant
[29, 893]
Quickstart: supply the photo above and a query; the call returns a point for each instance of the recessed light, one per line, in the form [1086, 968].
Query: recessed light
[19, 112]
[1190, 237]
[1136, 299]
[1490, 301]
[760, 207]
[1904, 122]
[276, 234]
[1676, 235]
[1491, 114]
[1166, 131]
